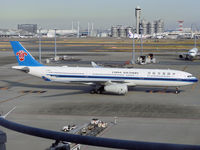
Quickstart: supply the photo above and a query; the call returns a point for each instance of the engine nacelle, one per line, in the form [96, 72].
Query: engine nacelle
[116, 88]
[181, 56]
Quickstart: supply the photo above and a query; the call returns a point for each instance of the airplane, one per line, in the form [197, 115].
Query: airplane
[192, 53]
[112, 80]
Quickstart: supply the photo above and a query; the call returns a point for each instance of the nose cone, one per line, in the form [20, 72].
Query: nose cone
[192, 54]
[194, 80]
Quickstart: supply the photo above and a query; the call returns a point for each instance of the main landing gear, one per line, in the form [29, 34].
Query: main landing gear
[97, 90]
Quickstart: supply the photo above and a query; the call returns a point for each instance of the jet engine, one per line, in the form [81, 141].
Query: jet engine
[181, 56]
[116, 88]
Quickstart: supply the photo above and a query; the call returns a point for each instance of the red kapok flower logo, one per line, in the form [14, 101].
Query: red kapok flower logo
[21, 55]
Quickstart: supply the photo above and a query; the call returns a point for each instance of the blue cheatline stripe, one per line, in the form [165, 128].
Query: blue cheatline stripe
[123, 78]
[45, 78]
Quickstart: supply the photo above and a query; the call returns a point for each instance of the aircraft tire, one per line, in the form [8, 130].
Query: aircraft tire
[99, 92]
[92, 92]
[177, 92]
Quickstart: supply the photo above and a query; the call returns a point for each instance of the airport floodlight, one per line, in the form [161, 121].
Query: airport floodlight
[133, 52]
[40, 45]
[141, 41]
[92, 28]
[55, 44]
[196, 30]
[78, 29]
[72, 25]
[88, 29]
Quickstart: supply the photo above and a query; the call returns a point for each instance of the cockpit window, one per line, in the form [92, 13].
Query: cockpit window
[189, 76]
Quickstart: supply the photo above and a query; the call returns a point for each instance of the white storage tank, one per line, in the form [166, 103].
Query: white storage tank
[114, 31]
[144, 26]
[122, 32]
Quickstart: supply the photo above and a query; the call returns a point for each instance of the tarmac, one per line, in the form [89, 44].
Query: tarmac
[144, 114]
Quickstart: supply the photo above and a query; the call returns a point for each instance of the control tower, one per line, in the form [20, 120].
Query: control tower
[137, 16]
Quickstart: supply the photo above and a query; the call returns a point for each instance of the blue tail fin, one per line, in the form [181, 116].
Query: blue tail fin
[24, 58]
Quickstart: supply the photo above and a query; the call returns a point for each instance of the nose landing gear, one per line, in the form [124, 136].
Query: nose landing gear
[177, 91]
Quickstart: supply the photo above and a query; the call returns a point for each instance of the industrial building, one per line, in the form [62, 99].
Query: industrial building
[32, 28]
[15, 33]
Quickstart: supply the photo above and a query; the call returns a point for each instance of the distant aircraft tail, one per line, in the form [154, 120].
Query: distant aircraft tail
[24, 58]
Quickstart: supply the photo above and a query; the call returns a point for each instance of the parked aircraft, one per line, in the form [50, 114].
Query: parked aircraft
[191, 54]
[114, 80]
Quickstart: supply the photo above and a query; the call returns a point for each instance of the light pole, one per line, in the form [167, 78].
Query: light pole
[88, 29]
[78, 29]
[195, 44]
[141, 52]
[133, 53]
[131, 35]
[92, 28]
[55, 44]
[40, 45]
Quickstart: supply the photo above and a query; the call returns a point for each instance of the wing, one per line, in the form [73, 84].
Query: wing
[106, 82]
[102, 82]
[95, 65]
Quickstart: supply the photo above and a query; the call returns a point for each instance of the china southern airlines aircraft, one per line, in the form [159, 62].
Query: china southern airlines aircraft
[114, 80]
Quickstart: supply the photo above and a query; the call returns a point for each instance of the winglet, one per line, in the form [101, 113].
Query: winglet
[95, 65]
[24, 58]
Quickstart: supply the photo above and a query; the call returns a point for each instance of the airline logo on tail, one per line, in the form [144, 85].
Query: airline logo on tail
[130, 35]
[21, 55]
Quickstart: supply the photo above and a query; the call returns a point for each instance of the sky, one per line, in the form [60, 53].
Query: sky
[103, 13]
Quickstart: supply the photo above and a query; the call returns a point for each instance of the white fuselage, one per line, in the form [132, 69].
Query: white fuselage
[130, 77]
[193, 52]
